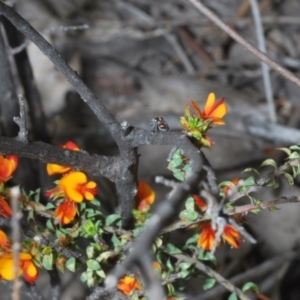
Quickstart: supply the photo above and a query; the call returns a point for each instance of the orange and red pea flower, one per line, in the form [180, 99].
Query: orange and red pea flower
[8, 165]
[128, 284]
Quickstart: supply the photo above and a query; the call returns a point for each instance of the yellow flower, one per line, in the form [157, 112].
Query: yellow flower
[53, 169]
[212, 110]
[128, 284]
[77, 187]
[26, 267]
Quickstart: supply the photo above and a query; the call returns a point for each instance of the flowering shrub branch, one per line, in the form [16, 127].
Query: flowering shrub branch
[127, 253]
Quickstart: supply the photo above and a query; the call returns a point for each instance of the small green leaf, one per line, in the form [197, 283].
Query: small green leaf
[184, 273]
[294, 148]
[83, 277]
[170, 248]
[185, 265]
[93, 265]
[71, 264]
[49, 224]
[286, 150]
[104, 256]
[50, 205]
[204, 255]
[111, 219]
[269, 162]
[116, 242]
[251, 170]
[90, 251]
[249, 181]
[209, 283]
[188, 215]
[294, 155]
[96, 202]
[289, 178]
[190, 204]
[101, 273]
[233, 296]
[250, 286]
[48, 261]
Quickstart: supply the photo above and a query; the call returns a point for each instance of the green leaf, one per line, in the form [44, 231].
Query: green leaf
[90, 251]
[294, 148]
[233, 296]
[286, 150]
[269, 162]
[71, 264]
[104, 256]
[89, 228]
[249, 181]
[227, 184]
[250, 286]
[49, 224]
[204, 255]
[179, 175]
[48, 261]
[101, 273]
[50, 205]
[184, 273]
[188, 215]
[83, 277]
[170, 248]
[251, 170]
[169, 266]
[96, 202]
[116, 242]
[294, 155]
[185, 265]
[289, 178]
[190, 204]
[111, 219]
[192, 240]
[93, 265]
[209, 283]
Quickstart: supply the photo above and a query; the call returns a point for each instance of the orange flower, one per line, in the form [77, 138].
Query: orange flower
[66, 212]
[212, 110]
[200, 203]
[128, 284]
[207, 237]
[53, 169]
[232, 236]
[5, 209]
[27, 267]
[8, 165]
[77, 187]
[4, 242]
[145, 196]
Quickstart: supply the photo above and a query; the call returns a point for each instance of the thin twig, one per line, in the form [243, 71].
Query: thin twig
[62, 250]
[21, 121]
[170, 37]
[16, 237]
[213, 274]
[248, 46]
[264, 67]
[265, 268]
